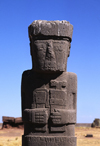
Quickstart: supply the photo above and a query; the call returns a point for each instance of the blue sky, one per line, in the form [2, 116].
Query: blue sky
[84, 60]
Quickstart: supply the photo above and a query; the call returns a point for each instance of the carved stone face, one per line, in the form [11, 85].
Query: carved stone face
[50, 55]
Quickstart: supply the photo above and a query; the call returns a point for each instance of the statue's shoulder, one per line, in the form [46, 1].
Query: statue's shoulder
[26, 74]
[71, 75]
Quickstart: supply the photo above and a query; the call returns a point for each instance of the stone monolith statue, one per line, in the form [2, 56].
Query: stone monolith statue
[48, 91]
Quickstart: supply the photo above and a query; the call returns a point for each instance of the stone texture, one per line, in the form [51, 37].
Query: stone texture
[9, 122]
[49, 93]
[8, 119]
[52, 55]
[51, 28]
[96, 123]
[48, 141]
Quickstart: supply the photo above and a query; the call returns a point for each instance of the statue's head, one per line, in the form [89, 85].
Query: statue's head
[50, 45]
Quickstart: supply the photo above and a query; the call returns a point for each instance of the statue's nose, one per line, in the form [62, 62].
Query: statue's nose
[50, 52]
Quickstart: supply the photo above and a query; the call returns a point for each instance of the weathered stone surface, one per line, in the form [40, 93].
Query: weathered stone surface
[9, 122]
[8, 119]
[51, 28]
[96, 123]
[52, 55]
[18, 120]
[49, 93]
[48, 141]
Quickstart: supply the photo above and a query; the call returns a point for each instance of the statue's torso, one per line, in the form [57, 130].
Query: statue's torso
[44, 97]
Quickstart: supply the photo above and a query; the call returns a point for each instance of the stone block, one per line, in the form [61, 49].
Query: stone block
[51, 28]
[18, 120]
[61, 116]
[38, 115]
[48, 141]
[8, 119]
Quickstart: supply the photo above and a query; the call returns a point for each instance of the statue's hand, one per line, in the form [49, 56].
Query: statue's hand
[56, 117]
[62, 116]
[40, 117]
[37, 115]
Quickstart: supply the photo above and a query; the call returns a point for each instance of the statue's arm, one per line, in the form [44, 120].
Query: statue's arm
[68, 115]
[63, 116]
[36, 115]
